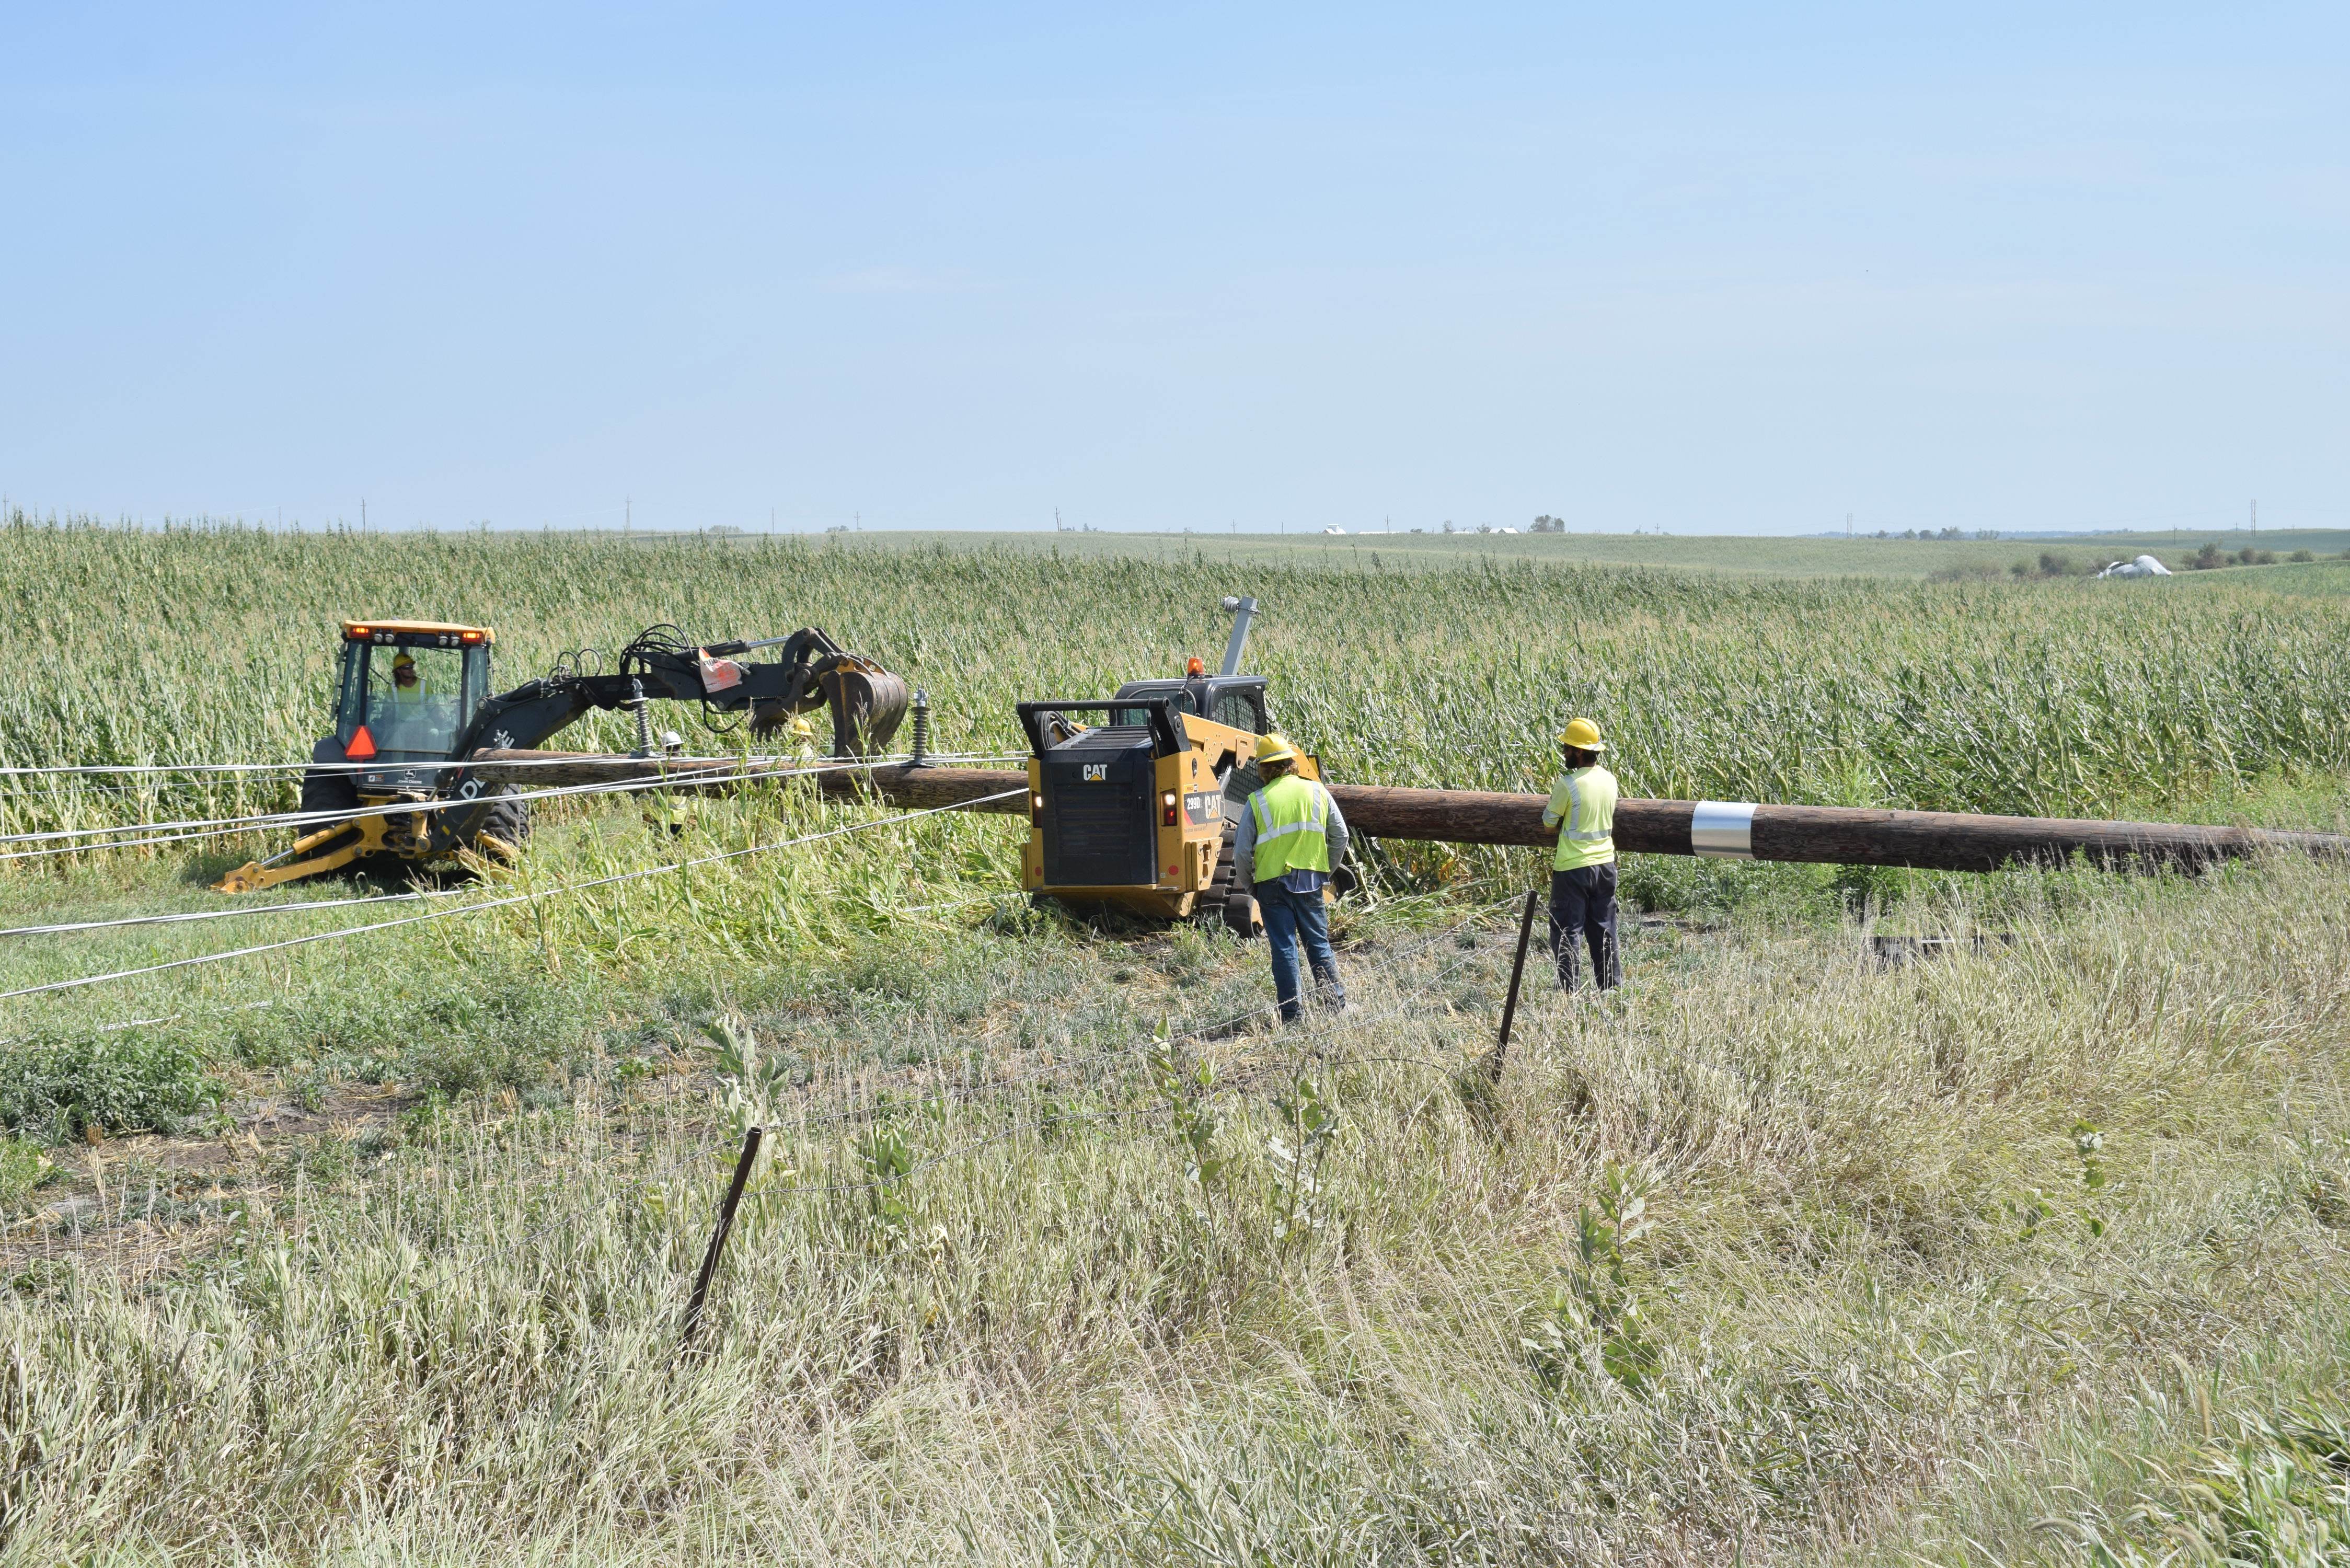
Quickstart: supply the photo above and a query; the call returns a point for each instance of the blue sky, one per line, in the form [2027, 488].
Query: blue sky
[1705, 269]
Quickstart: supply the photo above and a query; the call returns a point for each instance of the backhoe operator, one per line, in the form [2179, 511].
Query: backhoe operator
[1288, 839]
[1582, 806]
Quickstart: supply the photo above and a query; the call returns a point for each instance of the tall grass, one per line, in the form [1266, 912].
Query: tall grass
[1775, 1255]
[2065, 696]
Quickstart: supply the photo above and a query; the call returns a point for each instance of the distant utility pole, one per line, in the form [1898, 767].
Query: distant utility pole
[1848, 525]
[628, 515]
[363, 522]
[2256, 516]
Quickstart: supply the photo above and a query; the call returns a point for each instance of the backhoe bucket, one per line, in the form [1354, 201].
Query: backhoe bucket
[868, 702]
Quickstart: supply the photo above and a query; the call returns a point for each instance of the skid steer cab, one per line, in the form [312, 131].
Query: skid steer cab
[1139, 810]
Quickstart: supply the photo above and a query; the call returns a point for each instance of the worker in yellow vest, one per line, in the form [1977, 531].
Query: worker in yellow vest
[1288, 839]
[1583, 879]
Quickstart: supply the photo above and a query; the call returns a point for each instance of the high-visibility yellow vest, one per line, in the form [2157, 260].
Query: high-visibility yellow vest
[1292, 821]
[1583, 804]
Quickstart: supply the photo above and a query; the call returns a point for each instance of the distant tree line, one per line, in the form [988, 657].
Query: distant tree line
[1937, 533]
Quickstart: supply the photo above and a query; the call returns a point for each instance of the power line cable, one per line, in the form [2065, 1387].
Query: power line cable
[110, 768]
[528, 897]
[230, 826]
[275, 819]
[242, 913]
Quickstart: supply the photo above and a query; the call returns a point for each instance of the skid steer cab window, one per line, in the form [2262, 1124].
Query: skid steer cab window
[415, 699]
[1242, 710]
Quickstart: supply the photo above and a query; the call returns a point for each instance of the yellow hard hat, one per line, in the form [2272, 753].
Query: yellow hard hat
[402, 657]
[1275, 749]
[1583, 735]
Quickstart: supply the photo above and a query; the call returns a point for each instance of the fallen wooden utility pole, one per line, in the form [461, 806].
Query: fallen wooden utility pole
[1849, 836]
[896, 783]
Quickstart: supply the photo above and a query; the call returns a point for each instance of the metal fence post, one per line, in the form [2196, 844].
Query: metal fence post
[750, 1141]
[1517, 973]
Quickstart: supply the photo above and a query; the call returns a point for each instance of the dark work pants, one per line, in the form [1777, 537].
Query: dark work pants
[1583, 908]
[1291, 921]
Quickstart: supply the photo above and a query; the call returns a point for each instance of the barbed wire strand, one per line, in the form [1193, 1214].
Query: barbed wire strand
[1194, 1034]
[1344, 1021]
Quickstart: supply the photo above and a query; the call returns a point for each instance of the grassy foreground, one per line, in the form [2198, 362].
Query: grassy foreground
[1995, 1258]
[2033, 1253]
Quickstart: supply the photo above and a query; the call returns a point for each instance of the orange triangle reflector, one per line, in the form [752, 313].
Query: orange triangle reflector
[363, 745]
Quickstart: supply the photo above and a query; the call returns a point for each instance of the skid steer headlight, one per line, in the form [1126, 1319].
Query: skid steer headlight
[1168, 815]
[1039, 800]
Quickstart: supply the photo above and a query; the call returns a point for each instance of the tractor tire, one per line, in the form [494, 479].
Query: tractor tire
[325, 791]
[508, 820]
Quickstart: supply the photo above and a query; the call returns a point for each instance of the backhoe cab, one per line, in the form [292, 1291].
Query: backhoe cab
[1139, 810]
[414, 706]
[405, 691]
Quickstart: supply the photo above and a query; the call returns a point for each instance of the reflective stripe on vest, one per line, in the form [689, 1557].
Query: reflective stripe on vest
[1583, 839]
[1575, 814]
[1293, 824]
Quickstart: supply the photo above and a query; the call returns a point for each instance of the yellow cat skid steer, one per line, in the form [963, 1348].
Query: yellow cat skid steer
[1140, 811]
[391, 786]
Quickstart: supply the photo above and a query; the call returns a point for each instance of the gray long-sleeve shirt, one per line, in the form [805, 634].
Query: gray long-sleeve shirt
[1334, 834]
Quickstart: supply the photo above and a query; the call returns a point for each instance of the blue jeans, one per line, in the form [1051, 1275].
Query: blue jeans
[1288, 917]
[1583, 908]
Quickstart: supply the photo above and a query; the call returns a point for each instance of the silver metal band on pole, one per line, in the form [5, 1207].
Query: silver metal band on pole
[1723, 830]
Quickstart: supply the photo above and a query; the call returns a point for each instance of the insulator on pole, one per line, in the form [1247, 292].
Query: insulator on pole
[644, 720]
[922, 748]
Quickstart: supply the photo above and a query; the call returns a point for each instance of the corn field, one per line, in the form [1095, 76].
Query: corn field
[374, 1251]
[2065, 698]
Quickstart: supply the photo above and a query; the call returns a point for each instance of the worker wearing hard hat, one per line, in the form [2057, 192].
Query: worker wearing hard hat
[1583, 879]
[1289, 838]
[405, 685]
